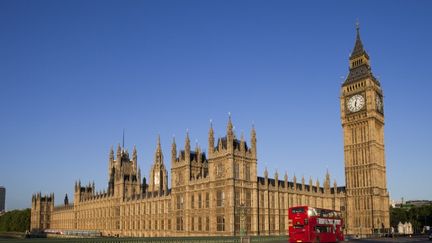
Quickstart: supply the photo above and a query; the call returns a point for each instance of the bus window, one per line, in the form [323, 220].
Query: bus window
[298, 210]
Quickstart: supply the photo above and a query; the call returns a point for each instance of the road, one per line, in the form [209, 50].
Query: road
[417, 239]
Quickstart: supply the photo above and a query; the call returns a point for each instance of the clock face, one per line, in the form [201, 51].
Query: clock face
[379, 103]
[356, 103]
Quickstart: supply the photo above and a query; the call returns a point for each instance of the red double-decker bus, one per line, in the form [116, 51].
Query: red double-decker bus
[307, 224]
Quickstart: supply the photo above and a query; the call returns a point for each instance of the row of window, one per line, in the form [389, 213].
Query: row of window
[355, 86]
[220, 198]
[202, 224]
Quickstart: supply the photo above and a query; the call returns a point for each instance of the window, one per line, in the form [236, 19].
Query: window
[220, 198]
[247, 172]
[236, 171]
[219, 170]
[237, 197]
[199, 200]
[272, 222]
[192, 223]
[207, 224]
[169, 224]
[220, 223]
[192, 201]
[248, 223]
[179, 202]
[237, 222]
[207, 198]
[179, 221]
[199, 224]
[248, 199]
[261, 202]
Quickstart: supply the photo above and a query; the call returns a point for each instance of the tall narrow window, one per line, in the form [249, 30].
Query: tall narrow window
[248, 198]
[199, 200]
[199, 224]
[247, 172]
[220, 198]
[236, 171]
[220, 223]
[207, 200]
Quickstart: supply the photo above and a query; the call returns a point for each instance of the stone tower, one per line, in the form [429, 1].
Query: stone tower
[158, 174]
[123, 173]
[41, 210]
[362, 118]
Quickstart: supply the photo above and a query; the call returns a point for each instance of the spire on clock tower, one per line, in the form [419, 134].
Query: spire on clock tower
[358, 46]
[359, 67]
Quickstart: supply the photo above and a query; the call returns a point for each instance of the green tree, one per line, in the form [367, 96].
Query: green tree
[16, 220]
[418, 216]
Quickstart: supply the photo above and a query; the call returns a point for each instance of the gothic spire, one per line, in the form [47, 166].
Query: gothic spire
[119, 151]
[230, 132]
[211, 139]
[134, 153]
[173, 150]
[111, 154]
[358, 46]
[158, 154]
[187, 140]
[187, 147]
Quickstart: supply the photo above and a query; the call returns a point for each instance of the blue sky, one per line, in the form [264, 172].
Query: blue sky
[73, 74]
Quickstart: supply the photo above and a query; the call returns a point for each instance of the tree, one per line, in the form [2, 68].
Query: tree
[16, 220]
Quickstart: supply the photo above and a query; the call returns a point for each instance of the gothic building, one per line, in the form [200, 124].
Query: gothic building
[219, 192]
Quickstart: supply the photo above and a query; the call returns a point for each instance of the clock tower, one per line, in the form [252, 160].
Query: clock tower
[362, 116]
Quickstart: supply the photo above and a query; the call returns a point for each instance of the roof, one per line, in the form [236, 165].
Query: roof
[236, 143]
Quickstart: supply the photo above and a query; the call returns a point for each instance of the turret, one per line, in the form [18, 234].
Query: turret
[135, 158]
[165, 184]
[119, 153]
[327, 183]
[335, 187]
[230, 135]
[303, 183]
[111, 159]
[187, 147]
[242, 143]
[310, 184]
[211, 140]
[66, 200]
[253, 142]
[173, 152]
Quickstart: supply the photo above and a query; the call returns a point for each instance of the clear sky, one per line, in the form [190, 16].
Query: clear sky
[74, 74]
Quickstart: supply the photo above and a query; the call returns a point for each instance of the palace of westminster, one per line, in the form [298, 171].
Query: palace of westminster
[219, 192]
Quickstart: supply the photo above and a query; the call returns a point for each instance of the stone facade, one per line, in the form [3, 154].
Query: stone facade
[362, 114]
[220, 193]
